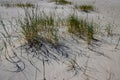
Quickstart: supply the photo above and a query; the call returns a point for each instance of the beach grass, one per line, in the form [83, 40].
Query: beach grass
[36, 27]
[81, 28]
[85, 8]
[62, 2]
[20, 5]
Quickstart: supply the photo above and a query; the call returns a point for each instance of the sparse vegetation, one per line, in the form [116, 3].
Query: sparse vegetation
[21, 5]
[62, 2]
[25, 5]
[73, 66]
[81, 28]
[40, 31]
[85, 8]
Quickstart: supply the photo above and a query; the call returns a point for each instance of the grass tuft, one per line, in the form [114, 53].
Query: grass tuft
[37, 27]
[85, 8]
[81, 28]
[21, 5]
[25, 5]
[73, 66]
[61, 2]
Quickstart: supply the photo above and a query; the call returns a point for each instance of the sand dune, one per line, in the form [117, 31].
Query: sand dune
[100, 62]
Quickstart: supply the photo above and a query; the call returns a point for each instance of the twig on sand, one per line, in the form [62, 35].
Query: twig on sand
[101, 53]
[35, 74]
[117, 43]
[44, 69]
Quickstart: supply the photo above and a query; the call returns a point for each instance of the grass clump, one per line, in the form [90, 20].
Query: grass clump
[25, 5]
[85, 8]
[81, 28]
[62, 2]
[73, 66]
[36, 28]
[21, 5]
[29, 28]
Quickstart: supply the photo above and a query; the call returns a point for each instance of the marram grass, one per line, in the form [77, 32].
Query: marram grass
[21, 5]
[81, 28]
[62, 2]
[35, 27]
[85, 8]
